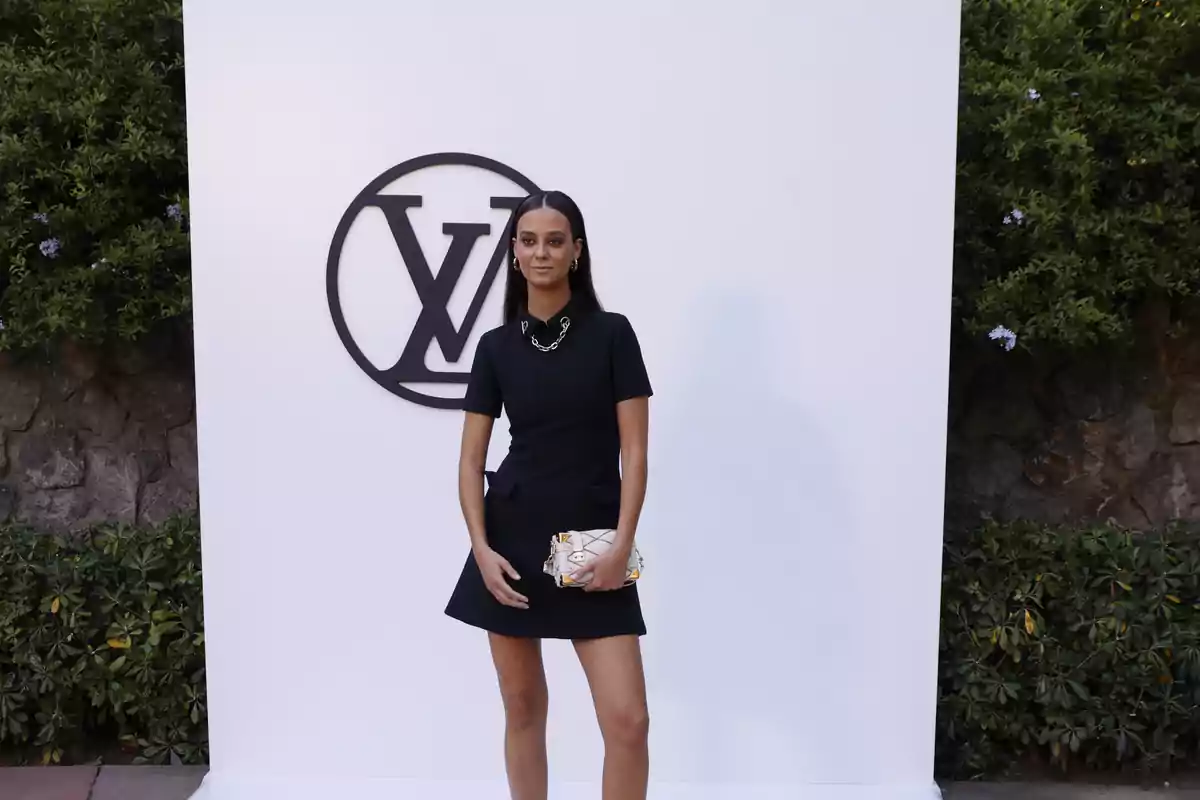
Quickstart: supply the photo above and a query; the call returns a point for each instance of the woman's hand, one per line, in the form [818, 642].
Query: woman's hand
[496, 571]
[605, 572]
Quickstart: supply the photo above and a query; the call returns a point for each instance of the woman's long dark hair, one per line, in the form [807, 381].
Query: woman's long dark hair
[516, 288]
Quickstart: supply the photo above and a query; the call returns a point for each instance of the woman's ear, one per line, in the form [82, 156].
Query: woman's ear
[578, 248]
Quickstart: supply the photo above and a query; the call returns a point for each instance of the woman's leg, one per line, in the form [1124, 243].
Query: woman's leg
[523, 687]
[614, 672]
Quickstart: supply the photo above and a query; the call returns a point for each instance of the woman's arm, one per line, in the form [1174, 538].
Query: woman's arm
[633, 420]
[476, 436]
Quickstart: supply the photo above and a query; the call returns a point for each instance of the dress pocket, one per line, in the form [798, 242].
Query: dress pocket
[501, 484]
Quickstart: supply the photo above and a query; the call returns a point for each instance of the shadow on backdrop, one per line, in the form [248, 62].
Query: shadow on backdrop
[753, 514]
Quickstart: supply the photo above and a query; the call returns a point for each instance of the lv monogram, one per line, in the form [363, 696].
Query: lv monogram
[433, 323]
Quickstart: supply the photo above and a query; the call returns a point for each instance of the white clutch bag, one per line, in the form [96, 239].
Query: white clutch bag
[572, 550]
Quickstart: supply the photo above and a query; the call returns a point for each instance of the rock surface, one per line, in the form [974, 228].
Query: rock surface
[1118, 439]
[87, 439]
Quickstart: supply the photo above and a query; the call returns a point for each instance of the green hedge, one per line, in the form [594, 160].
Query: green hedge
[1077, 157]
[1077, 164]
[93, 171]
[102, 645]
[1079, 649]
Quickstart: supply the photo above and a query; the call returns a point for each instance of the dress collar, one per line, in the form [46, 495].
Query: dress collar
[532, 326]
[547, 336]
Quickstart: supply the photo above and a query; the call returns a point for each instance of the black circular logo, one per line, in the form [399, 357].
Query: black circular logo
[433, 288]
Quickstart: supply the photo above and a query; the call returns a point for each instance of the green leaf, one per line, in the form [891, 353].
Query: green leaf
[1086, 688]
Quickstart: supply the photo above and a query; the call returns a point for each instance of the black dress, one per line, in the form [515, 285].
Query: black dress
[562, 470]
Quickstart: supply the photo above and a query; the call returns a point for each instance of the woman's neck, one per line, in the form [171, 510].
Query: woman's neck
[545, 303]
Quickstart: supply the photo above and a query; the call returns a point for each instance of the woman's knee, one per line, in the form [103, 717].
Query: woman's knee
[626, 725]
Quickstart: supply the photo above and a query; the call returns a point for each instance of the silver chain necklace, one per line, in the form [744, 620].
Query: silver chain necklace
[546, 348]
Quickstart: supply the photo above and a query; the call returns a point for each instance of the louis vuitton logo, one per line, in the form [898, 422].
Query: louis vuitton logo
[434, 289]
[434, 323]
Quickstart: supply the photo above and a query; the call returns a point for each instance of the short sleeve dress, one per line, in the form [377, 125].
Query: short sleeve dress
[562, 470]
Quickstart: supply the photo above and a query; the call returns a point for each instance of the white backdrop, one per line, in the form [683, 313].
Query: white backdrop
[769, 190]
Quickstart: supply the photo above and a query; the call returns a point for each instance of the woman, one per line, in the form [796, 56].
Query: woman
[572, 381]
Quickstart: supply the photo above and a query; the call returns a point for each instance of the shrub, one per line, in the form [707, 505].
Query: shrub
[102, 644]
[1076, 153]
[1081, 648]
[1077, 157]
[93, 170]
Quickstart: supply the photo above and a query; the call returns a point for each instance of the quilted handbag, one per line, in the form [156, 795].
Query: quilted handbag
[572, 550]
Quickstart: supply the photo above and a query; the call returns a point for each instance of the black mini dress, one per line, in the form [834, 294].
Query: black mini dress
[562, 470]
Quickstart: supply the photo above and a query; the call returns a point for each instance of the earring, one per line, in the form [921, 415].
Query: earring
[516, 264]
[574, 265]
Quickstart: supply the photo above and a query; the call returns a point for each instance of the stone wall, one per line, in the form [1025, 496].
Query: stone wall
[88, 437]
[1081, 440]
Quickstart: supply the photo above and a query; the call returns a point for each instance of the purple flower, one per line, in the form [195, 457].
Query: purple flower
[1016, 216]
[50, 248]
[1003, 335]
[42, 218]
[1033, 94]
[175, 211]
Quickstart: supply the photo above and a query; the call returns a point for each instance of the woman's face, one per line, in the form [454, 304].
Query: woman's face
[544, 247]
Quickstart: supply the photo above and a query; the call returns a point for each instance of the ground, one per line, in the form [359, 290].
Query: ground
[178, 783]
